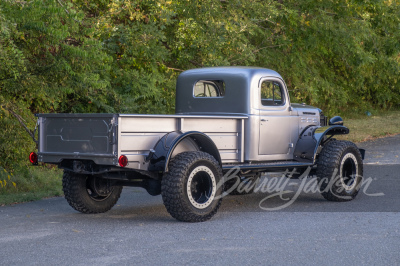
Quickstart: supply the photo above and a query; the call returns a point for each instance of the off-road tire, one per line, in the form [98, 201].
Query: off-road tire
[189, 174]
[339, 171]
[78, 193]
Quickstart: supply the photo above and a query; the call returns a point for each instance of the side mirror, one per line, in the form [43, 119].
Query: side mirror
[336, 120]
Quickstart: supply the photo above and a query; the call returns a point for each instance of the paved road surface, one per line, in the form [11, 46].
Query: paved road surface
[382, 151]
[140, 231]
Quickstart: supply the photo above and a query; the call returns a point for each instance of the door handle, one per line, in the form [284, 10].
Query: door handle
[263, 120]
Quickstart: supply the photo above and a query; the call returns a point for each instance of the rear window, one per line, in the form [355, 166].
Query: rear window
[209, 88]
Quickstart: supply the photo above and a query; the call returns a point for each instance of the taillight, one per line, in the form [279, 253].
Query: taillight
[123, 161]
[33, 158]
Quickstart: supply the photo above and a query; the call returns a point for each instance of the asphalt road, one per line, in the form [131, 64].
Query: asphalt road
[139, 230]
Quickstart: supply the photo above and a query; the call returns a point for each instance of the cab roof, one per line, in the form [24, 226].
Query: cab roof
[238, 82]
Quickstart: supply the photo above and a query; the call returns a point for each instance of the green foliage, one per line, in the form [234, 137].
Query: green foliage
[6, 179]
[338, 56]
[29, 184]
[50, 62]
[124, 56]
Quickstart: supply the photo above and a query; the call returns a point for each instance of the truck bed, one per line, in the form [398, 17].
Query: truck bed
[78, 136]
[102, 138]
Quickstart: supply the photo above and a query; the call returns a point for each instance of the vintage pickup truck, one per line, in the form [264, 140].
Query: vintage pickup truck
[226, 118]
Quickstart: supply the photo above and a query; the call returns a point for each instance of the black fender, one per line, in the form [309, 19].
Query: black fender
[312, 137]
[176, 142]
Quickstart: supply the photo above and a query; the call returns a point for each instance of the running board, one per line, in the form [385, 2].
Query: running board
[266, 165]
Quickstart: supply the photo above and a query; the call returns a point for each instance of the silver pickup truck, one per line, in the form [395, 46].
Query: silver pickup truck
[226, 118]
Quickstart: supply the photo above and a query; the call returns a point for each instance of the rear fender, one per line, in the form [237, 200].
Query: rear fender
[312, 137]
[176, 142]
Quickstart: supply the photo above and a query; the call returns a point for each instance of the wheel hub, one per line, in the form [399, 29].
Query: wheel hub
[349, 171]
[98, 189]
[201, 187]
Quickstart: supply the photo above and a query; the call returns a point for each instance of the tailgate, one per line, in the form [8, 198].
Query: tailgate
[78, 136]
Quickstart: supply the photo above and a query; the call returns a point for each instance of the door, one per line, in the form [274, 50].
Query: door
[276, 122]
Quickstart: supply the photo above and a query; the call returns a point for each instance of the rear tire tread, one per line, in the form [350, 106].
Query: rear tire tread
[77, 197]
[173, 187]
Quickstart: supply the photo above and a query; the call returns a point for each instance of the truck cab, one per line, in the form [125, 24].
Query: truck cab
[273, 125]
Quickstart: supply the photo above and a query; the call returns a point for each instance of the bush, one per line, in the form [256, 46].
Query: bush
[124, 56]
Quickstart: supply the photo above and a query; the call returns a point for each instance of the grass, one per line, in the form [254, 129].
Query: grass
[363, 128]
[33, 183]
[28, 184]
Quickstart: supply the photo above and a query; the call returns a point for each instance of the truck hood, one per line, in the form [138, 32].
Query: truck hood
[303, 109]
[302, 105]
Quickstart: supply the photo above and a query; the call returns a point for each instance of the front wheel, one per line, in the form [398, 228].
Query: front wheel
[339, 171]
[89, 194]
[191, 189]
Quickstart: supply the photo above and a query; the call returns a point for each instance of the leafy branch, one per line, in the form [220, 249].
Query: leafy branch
[22, 122]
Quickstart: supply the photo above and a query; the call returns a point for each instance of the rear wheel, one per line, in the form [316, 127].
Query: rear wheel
[191, 189]
[339, 171]
[89, 194]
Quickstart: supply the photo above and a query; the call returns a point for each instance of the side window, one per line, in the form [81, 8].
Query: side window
[209, 88]
[271, 93]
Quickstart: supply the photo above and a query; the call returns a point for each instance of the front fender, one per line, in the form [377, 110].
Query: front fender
[311, 138]
[176, 142]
